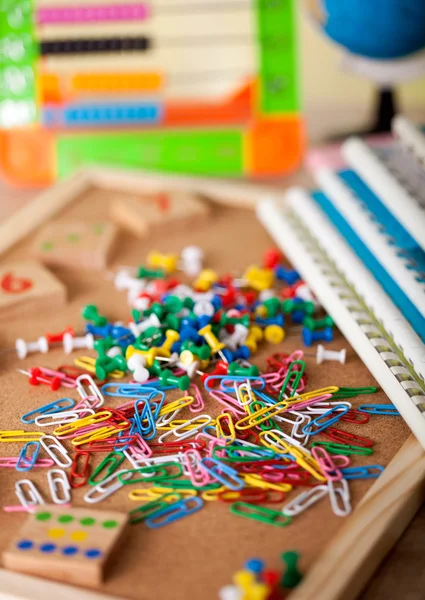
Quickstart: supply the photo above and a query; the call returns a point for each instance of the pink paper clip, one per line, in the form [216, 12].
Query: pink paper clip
[198, 475]
[198, 405]
[10, 462]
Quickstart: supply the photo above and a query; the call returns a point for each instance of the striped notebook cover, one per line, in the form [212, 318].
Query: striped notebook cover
[366, 266]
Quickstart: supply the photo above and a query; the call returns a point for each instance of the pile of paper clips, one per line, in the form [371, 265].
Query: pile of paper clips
[181, 437]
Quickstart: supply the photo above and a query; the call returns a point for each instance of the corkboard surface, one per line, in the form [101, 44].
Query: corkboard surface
[195, 556]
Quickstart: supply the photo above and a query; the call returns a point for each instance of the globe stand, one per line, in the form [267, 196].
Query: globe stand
[385, 111]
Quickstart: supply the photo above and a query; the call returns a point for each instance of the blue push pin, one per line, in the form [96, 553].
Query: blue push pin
[322, 335]
[289, 276]
[255, 566]
[243, 352]
[100, 330]
[277, 320]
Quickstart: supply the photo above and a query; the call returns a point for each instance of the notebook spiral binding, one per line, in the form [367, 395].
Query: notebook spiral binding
[375, 331]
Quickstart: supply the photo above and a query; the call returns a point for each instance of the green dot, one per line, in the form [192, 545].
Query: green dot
[98, 228]
[47, 246]
[73, 237]
[65, 519]
[43, 516]
[87, 521]
[109, 524]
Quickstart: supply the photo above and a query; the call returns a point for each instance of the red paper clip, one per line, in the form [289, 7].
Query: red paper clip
[355, 416]
[111, 444]
[158, 448]
[78, 478]
[251, 495]
[343, 437]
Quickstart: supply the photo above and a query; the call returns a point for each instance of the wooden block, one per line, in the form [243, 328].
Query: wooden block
[28, 286]
[77, 245]
[154, 213]
[72, 545]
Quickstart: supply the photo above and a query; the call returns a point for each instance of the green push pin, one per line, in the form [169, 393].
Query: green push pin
[292, 576]
[137, 315]
[290, 306]
[314, 324]
[107, 364]
[273, 307]
[167, 377]
[171, 322]
[102, 346]
[143, 273]
[202, 352]
[235, 369]
[91, 313]
[244, 320]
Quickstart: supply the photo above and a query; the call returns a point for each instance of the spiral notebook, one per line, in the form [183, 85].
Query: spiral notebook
[364, 262]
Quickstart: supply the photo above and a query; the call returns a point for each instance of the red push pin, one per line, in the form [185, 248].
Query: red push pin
[37, 378]
[220, 369]
[271, 258]
[58, 337]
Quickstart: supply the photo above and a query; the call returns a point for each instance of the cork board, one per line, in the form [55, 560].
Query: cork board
[194, 557]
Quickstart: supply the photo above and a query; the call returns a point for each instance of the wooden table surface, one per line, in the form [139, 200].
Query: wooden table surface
[402, 574]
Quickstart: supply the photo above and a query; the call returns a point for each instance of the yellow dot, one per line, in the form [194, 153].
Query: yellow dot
[274, 334]
[56, 533]
[78, 536]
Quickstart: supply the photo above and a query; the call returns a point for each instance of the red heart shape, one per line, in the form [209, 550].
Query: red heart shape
[15, 285]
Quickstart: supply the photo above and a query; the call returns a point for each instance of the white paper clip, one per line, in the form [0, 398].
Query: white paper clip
[30, 497]
[205, 420]
[107, 487]
[55, 450]
[339, 496]
[60, 490]
[304, 500]
[93, 389]
[60, 418]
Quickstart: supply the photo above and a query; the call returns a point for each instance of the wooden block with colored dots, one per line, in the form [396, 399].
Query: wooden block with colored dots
[28, 286]
[71, 545]
[76, 245]
[154, 213]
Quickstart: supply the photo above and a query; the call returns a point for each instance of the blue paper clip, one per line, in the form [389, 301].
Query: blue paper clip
[223, 473]
[174, 511]
[379, 409]
[26, 464]
[128, 390]
[364, 472]
[341, 409]
[52, 407]
[235, 378]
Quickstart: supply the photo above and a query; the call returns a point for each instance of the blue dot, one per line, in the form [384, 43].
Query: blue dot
[47, 548]
[93, 553]
[69, 550]
[25, 545]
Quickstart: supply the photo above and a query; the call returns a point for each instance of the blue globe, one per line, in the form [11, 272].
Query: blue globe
[380, 29]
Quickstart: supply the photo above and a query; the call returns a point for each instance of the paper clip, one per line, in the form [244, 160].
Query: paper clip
[260, 513]
[304, 500]
[198, 404]
[229, 436]
[379, 409]
[339, 496]
[94, 391]
[20, 436]
[141, 513]
[251, 495]
[363, 472]
[173, 512]
[198, 475]
[326, 420]
[56, 450]
[32, 496]
[95, 419]
[294, 372]
[105, 489]
[80, 474]
[223, 473]
[59, 487]
[61, 418]
[10, 462]
[336, 435]
[52, 407]
[110, 464]
[24, 463]
[345, 449]
[202, 420]
[326, 464]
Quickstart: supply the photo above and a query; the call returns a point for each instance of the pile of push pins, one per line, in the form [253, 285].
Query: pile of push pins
[255, 582]
[198, 422]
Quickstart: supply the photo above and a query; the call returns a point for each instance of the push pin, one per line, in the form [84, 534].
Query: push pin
[23, 348]
[138, 328]
[71, 343]
[191, 260]
[137, 365]
[91, 313]
[215, 345]
[337, 355]
[309, 336]
[166, 262]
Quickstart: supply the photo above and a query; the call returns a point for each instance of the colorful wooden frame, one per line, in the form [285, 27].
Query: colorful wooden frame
[60, 112]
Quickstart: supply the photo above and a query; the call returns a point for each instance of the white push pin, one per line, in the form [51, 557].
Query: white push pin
[238, 337]
[71, 343]
[230, 592]
[191, 369]
[204, 307]
[23, 348]
[192, 258]
[323, 354]
[137, 364]
[138, 328]
[266, 295]
[304, 293]
[114, 351]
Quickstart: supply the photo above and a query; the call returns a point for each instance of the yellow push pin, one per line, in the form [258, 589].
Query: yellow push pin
[171, 337]
[259, 279]
[244, 580]
[255, 335]
[215, 345]
[258, 591]
[149, 355]
[207, 277]
[274, 334]
[166, 262]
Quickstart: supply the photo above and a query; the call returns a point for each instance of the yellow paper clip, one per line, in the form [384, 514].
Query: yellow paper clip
[102, 433]
[258, 482]
[147, 495]
[189, 493]
[19, 435]
[88, 363]
[99, 417]
[230, 438]
[211, 495]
